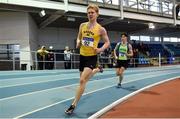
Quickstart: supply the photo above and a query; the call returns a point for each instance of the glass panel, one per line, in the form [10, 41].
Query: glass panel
[6, 51]
[134, 37]
[166, 39]
[173, 39]
[144, 38]
[178, 39]
[155, 6]
[156, 39]
[133, 3]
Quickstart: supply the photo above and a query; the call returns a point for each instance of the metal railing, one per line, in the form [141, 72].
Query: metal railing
[150, 6]
[14, 61]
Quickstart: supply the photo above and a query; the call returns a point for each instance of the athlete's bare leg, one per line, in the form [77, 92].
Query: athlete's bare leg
[120, 72]
[84, 78]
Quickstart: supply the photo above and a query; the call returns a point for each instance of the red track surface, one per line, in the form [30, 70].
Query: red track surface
[161, 101]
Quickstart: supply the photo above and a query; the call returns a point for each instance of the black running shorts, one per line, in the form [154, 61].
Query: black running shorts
[122, 63]
[87, 61]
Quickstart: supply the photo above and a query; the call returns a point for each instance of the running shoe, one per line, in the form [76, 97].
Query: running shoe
[70, 110]
[119, 85]
[100, 68]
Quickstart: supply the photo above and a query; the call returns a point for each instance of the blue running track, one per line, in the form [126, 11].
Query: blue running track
[47, 93]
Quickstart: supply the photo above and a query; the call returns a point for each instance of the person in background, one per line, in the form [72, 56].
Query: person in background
[67, 58]
[177, 10]
[122, 51]
[41, 57]
[135, 57]
[50, 59]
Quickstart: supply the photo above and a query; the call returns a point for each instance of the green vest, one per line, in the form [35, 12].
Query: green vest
[123, 49]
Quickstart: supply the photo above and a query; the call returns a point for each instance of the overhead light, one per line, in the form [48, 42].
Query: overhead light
[71, 19]
[151, 26]
[50, 47]
[42, 13]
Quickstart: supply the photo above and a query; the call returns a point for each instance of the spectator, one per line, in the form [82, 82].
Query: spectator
[67, 58]
[41, 57]
[134, 44]
[142, 47]
[177, 10]
[50, 59]
[147, 50]
[135, 57]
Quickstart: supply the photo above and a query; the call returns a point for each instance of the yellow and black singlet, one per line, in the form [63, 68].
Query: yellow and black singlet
[90, 39]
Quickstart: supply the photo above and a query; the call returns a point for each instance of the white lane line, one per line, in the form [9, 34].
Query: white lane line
[59, 102]
[21, 78]
[64, 101]
[44, 81]
[107, 108]
[57, 88]
[26, 94]
[39, 109]
[42, 108]
[49, 80]
[34, 80]
[111, 69]
[11, 73]
[27, 82]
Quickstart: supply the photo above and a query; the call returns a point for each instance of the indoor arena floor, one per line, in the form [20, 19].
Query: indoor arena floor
[47, 93]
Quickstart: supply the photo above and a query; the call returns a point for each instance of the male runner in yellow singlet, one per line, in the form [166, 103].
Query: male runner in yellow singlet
[88, 38]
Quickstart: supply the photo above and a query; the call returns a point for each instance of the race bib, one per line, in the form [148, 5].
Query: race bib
[88, 41]
[122, 54]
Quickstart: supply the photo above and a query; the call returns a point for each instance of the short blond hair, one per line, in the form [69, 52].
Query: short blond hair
[93, 6]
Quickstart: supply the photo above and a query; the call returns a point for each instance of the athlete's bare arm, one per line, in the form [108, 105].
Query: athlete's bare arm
[130, 53]
[78, 41]
[105, 38]
[115, 56]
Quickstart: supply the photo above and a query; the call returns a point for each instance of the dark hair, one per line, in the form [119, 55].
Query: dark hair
[125, 34]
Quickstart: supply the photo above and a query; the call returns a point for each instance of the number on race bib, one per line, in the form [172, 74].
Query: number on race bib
[121, 54]
[88, 41]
